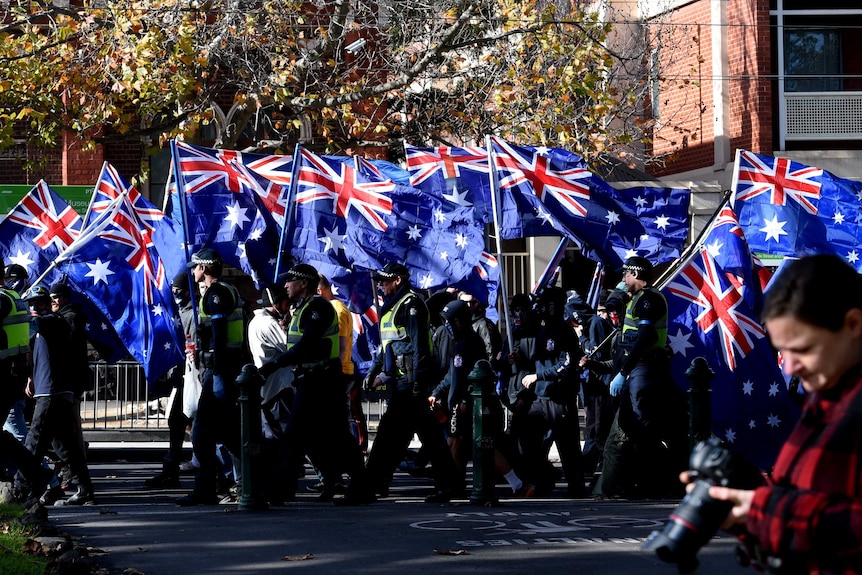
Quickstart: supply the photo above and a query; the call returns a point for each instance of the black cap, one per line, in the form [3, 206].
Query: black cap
[36, 292]
[61, 290]
[15, 271]
[637, 264]
[206, 256]
[272, 295]
[302, 272]
[391, 271]
[181, 281]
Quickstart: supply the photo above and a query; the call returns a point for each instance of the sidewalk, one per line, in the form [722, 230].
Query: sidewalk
[144, 530]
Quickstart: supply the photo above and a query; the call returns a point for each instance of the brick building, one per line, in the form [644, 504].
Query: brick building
[777, 77]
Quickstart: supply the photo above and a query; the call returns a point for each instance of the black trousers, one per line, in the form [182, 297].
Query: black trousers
[216, 422]
[531, 429]
[406, 415]
[57, 418]
[318, 426]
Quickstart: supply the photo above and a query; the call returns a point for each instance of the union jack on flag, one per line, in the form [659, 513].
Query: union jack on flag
[788, 209]
[202, 167]
[714, 301]
[719, 296]
[56, 224]
[519, 165]
[113, 263]
[346, 188]
[781, 178]
[443, 162]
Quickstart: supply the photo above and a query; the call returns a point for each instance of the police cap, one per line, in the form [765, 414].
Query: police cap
[36, 292]
[207, 257]
[304, 272]
[391, 271]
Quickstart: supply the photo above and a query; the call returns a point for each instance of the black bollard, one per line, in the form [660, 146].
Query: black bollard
[699, 376]
[250, 382]
[482, 379]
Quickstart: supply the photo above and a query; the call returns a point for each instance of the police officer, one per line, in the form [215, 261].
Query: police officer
[317, 425]
[642, 453]
[14, 346]
[16, 278]
[220, 337]
[407, 362]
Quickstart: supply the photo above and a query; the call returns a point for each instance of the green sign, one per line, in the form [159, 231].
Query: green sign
[78, 197]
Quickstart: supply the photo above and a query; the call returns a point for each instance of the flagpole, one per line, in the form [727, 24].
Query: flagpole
[181, 197]
[553, 264]
[290, 208]
[695, 245]
[495, 209]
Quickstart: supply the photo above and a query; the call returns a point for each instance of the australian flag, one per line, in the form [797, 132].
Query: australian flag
[714, 306]
[355, 220]
[790, 209]
[607, 223]
[222, 207]
[115, 265]
[37, 230]
[158, 228]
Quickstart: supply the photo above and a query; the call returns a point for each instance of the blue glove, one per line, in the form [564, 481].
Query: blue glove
[617, 384]
[219, 388]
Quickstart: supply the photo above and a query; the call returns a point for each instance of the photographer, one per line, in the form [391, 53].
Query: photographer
[809, 518]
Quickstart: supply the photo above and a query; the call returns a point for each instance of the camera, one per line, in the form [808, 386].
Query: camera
[698, 516]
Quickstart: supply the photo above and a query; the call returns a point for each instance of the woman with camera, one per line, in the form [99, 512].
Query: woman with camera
[808, 519]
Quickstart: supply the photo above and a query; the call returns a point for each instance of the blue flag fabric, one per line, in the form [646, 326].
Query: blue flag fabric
[713, 303]
[787, 208]
[609, 224]
[275, 168]
[159, 229]
[224, 209]
[115, 266]
[362, 223]
[34, 233]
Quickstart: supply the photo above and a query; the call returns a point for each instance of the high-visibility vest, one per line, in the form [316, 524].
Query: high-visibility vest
[389, 332]
[235, 327]
[294, 332]
[630, 324]
[16, 325]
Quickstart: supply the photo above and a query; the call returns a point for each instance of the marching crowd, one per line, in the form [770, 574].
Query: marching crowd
[558, 354]
[612, 361]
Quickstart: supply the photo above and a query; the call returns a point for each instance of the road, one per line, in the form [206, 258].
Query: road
[144, 530]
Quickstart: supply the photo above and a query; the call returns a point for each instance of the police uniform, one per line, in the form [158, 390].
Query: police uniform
[219, 343]
[317, 424]
[14, 344]
[406, 358]
[637, 461]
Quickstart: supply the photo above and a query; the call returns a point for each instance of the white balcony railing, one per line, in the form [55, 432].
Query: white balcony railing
[823, 115]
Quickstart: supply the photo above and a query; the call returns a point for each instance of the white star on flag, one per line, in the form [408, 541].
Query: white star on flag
[99, 271]
[332, 240]
[426, 281]
[714, 249]
[679, 343]
[236, 216]
[662, 222]
[747, 387]
[458, 198]
[461, 240]
[413, 233]
[439, 215]
[22, 259]
[773, 229]
[612, 218]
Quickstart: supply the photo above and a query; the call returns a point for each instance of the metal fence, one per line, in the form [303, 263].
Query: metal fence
[120, 401]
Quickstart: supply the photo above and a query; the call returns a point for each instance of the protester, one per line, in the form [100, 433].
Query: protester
[808, 519]
[54, 385]
[178, 421]
[353, 387]
[546, 392]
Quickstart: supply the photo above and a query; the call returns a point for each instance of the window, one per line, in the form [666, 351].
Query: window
[815, 56]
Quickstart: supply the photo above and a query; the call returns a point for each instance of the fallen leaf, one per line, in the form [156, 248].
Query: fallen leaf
[305, 557]
[450, 552]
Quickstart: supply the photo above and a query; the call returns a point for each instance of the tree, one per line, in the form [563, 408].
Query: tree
[337, 74]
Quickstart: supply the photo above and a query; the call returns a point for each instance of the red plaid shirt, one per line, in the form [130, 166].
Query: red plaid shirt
[810, 516]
